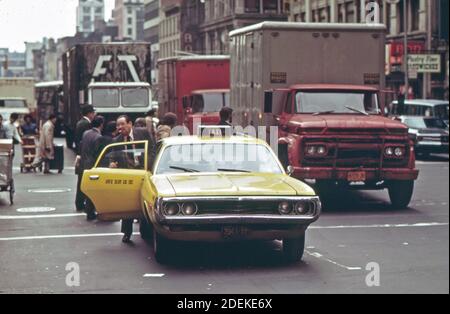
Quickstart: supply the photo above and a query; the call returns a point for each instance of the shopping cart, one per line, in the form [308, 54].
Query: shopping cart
[6, 159]
[28, 153]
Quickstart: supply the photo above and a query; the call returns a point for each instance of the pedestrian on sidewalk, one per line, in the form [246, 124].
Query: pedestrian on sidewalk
[46, 144]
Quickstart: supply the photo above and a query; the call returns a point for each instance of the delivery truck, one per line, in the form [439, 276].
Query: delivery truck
[194, 88]
[321, 85]
[17, 96]
[113, 77]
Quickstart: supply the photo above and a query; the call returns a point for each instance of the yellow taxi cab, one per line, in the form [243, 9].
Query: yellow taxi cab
[203, 189]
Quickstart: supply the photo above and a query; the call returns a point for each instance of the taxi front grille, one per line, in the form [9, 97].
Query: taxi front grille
[238, 207]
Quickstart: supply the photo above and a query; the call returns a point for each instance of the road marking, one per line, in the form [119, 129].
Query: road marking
[68, 236]
[321, 257]
[65, 168]
[421, 224]
[63, 190]
[99, 235]
[154, 275]
[36, 209]
[13, 217]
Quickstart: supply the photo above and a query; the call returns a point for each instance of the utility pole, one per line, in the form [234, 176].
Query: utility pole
[405, 43]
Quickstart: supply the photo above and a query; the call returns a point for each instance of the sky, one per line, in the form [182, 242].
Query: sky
[32, 20]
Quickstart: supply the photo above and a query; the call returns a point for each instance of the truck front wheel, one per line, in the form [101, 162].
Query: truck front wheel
[293, 249]
[400, 193]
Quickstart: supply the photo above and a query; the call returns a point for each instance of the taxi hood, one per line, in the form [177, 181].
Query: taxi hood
[336, 122]
[233, 184]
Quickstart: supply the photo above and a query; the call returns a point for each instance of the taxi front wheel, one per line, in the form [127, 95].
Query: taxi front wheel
[145, 229]
[293, 249]
[161, 248]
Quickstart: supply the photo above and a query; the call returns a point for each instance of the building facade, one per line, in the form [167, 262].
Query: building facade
[151, 33]
[129, 16]
[12, 64]
[427, 33]
[169, 28]
[88, 12]
[223, 16]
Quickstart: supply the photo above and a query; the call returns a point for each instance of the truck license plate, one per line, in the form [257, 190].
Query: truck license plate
[234, 232]
[356, 176]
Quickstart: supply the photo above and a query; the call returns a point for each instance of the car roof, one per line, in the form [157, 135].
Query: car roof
[181, 140]
[424, 102]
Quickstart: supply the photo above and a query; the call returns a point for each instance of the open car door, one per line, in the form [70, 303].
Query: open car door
[114, 184]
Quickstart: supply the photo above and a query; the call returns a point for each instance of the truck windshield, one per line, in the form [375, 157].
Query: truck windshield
[12, 103]
[336, 102]
[135, 97]
[104, 97]
[218, 157]
[209, 102]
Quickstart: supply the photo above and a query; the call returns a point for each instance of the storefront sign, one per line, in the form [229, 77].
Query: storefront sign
[430, 63]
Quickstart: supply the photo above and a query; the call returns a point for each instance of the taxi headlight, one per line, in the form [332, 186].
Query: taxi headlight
[304, 207]
[171, 209]
[189, 209]
[284, 208]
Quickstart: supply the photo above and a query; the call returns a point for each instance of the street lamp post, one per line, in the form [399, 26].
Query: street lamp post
[405, 41]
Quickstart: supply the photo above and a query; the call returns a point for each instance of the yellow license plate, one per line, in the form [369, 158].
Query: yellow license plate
[356, 176]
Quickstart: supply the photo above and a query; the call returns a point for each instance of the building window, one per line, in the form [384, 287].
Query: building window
[349, 12]
[130, 10]
[415, 14]
[130, 32]
[130, 21]
[270, 6]
[99, 10]
[252, 6]
[87, 10]
[401, 17]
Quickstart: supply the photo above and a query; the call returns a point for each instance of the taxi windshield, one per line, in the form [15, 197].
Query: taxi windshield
[217, 157]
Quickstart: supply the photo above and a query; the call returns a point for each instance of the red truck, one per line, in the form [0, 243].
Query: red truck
[323, 93]
[194, 87]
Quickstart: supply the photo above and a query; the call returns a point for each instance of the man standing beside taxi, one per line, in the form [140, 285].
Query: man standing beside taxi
[127, 133]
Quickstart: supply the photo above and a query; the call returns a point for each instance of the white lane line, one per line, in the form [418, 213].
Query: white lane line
[13, 217]
[154, 275]
[98, 235]
[68, 236]
[321, 257]
[421, 224]
[65, 168]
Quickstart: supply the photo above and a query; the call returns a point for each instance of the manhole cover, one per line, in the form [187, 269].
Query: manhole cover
[36, 209]
[49, 190]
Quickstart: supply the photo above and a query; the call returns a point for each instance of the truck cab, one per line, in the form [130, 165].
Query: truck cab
[9, 105]
[204, 106]
[339, 136]
[112, 99]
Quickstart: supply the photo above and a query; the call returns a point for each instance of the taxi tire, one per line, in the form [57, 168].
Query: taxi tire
[293, 249]
[145, 229]
[161, 248]
[400, 193]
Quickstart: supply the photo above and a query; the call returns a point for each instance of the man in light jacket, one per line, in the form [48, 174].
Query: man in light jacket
[46, 144]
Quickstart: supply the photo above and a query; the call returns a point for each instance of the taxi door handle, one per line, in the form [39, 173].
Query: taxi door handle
[94, 178]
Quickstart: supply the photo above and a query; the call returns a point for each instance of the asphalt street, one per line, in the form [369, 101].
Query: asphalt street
[411, 247]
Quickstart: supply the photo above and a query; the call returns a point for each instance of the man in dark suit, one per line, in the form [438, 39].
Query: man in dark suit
[82, 126]
[129, 134]
[89, 156]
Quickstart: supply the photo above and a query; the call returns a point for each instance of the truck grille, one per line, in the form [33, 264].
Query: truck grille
[353, 153]
[444, 139]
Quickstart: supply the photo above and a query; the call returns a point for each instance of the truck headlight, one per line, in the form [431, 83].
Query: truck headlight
[399, 152]
[389, 151]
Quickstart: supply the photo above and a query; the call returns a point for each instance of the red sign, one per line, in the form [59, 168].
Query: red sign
[414, 47]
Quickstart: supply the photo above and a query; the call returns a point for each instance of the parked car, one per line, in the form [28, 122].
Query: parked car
[203, 189]
[431, 134]
[422, 108]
